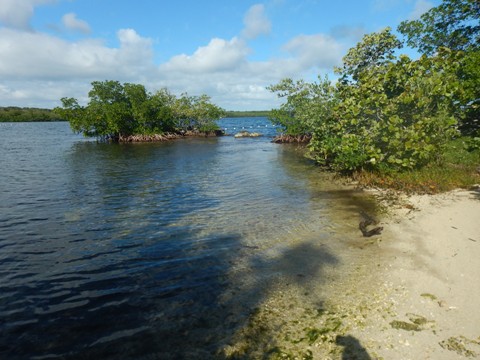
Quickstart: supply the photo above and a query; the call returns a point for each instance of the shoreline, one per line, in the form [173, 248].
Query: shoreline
[145, 138]
[409, 293]
[430, 252]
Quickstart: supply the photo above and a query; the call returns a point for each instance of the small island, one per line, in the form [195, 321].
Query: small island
[128, 113]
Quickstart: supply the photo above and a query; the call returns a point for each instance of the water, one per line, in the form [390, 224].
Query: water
[132, 250]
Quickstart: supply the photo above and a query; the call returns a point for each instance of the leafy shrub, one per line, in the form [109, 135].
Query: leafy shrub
[115, 111]
[472, 144]
[384, 112]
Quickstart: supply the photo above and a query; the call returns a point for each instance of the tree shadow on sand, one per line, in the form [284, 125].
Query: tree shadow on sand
[476, 192]
[271, 296]
[234, 311]
[352, 349]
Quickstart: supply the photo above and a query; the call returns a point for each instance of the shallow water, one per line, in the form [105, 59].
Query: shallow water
[131, 250]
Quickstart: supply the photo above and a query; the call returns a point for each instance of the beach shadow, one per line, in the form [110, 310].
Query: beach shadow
[268, 290]
[147, 299]
[476, 192]
[200, 315]
[166, 288]
[352, 349]
[178, 297]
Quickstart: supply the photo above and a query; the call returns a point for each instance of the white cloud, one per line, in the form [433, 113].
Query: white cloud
[40, 68]
[135, 55]
[37, 69]
[242, 88]
[256, 23]
[41, 56]
[17, 13]
[319, 50]
[222, 70]
[6, 92]
[218, 55]
[71, 22]
[421, 7]
[40, 93]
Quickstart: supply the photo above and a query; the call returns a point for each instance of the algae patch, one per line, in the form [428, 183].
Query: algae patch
[313, 334]
[429, 296]
[417, 323]
[403, 325]
[459, 345]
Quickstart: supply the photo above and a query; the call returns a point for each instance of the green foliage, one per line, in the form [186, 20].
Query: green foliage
[472, 144]
[469, 95]
[287, 117]
[454, 24]
[457, 167]
[374, 50]
[306, 104]
[405, 109]
[18, 114]
[386, 112]
[391, 113]
[118, 110]
[196, 113]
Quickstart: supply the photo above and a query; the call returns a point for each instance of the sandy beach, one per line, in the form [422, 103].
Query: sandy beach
[411, 292]
[430, 273]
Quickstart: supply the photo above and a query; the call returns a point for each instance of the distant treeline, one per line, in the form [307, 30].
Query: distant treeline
[261, 113]
[18, 114]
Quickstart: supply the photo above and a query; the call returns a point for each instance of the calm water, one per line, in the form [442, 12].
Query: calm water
[126, 250]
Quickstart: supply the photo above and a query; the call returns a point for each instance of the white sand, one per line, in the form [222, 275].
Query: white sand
[422, 273]
[430, 270]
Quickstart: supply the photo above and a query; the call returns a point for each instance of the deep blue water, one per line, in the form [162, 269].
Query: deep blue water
[124, 250]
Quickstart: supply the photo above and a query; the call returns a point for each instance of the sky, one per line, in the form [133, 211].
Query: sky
[231, 50]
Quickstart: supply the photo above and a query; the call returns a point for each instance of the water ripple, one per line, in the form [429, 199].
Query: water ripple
[120, 250]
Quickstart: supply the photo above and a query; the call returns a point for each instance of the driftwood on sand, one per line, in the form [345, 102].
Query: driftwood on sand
[365, 223]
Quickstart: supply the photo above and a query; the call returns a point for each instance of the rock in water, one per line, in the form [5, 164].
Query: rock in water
[247, 134]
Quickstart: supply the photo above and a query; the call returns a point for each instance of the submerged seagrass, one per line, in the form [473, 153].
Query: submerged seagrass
[138, 249]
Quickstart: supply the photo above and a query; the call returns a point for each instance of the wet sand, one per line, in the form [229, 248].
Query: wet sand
[410, 293]
[430, 276]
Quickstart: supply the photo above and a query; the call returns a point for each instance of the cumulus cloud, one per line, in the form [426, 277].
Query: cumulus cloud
[40, 93]
[256, 22]
[17, 13]
[37, 69]
[218, 55]
[42, 56]
[241, 88]
[71, 22]
[7, 92]
[319, 50]
[222, 70]
[421, 7]
[136, 52]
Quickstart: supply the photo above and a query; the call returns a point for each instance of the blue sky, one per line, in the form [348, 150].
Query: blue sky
[230, 50]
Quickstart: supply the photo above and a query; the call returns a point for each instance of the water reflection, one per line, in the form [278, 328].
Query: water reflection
[161, 250]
